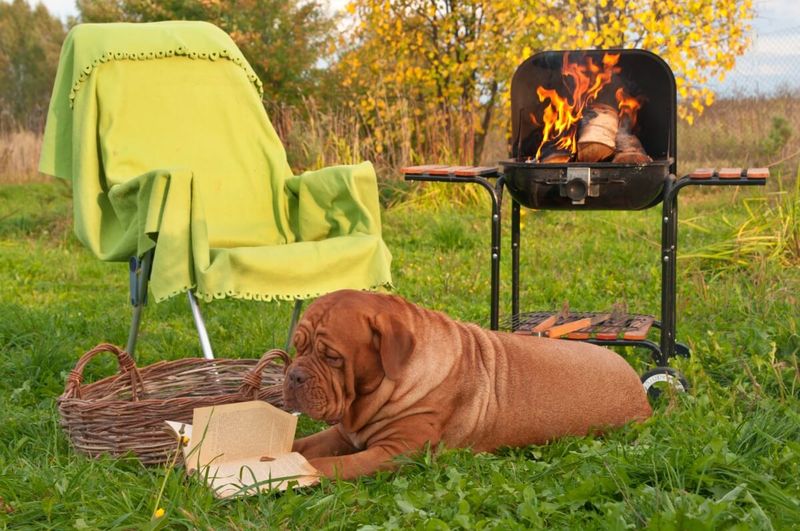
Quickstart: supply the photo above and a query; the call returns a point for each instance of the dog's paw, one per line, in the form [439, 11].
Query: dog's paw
[300, 446]
[330, 467]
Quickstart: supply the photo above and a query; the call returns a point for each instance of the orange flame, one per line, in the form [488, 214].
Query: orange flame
[562, 114]
[628, 107]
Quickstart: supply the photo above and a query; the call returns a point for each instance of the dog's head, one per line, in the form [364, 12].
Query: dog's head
[347, 343]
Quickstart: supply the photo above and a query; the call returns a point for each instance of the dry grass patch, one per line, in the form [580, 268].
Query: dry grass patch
[746, 131]
[19, 157]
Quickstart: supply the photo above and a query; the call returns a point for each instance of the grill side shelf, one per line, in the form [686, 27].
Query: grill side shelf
[728, 176]
[445, 172]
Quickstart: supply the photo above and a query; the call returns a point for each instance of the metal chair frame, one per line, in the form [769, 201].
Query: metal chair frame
[139, 271]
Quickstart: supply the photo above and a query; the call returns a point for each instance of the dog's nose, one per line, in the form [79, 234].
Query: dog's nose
[296, 376]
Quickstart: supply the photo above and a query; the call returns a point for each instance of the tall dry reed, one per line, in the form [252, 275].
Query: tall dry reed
[315, 137]
[742, 131]
[745, 131]
[769, 232]
[19, 157]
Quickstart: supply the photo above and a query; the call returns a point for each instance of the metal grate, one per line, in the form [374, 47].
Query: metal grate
[626, 327]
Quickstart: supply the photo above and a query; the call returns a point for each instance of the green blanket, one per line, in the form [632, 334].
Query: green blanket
[162, 131]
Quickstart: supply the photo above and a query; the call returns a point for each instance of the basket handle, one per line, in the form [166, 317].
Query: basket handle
[126, 366]
[251, 381]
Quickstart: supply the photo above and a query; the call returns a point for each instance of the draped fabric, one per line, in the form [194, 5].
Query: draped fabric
[161, 129]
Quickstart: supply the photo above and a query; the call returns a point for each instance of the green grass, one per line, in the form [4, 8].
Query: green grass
[727, 455]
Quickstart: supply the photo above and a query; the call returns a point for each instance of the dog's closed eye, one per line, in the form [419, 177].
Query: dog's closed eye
[333, 359]
[330, 356]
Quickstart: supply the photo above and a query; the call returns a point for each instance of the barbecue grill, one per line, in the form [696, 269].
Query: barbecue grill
[544, 172]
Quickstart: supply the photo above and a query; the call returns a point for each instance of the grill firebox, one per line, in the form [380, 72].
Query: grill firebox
[592, 185]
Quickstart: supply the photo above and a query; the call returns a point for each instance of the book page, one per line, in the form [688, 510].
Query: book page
[245, 430]
[246, 477]
[240, 449]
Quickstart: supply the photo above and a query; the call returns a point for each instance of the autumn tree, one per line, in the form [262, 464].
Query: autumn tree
[30, 42]
[282, 39]
[424, 63]
[699, 39]
[428, 69]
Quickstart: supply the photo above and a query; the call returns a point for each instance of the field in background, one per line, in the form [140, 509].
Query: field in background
[746, 131]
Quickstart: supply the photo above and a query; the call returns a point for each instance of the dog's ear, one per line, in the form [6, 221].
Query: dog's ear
[394, 341]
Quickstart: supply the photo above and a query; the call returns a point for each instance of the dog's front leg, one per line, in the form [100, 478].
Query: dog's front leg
[326, 443]
[354, 465]
[379, 454]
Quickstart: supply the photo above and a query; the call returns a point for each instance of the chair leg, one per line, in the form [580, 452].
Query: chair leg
[133, 334]
[139, 275]
[205, 343]
[298, 305]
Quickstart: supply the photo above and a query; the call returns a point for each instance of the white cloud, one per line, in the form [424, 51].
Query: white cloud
[774, 15]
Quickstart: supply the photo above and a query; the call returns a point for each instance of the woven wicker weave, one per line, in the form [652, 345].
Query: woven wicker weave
[126, 412]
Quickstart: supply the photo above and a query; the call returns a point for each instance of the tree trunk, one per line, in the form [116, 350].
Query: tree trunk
[486, 123]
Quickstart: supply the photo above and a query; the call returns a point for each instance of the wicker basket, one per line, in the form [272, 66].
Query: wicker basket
[126, 412]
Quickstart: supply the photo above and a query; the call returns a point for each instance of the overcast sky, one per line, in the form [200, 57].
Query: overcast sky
[772, 61]
[774, 58]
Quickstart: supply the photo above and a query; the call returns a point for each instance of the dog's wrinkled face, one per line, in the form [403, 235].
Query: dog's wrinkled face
[338, 357]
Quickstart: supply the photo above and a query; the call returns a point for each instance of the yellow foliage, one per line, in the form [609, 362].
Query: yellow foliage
[443, 57]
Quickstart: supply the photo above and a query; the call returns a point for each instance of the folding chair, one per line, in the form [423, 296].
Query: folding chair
[176, 167]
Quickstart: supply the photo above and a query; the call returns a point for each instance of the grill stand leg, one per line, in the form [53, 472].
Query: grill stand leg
[669, 254]
[515, 250]
[496, 194]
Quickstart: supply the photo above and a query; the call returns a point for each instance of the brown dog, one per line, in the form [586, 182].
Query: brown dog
[391, 377]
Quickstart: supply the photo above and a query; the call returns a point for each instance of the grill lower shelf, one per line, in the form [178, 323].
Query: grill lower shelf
[628, 327]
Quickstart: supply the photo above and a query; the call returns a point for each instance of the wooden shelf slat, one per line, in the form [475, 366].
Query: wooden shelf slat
[448, 170]
[702, 173]
[730, 173]
[757, 173]
[418, 170]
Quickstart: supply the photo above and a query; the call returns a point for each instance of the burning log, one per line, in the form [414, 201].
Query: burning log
[629, 148]
[552, 154]
[556, 157]
[598, 133]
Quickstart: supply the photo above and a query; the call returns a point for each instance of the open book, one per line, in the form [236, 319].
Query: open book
[243, 448]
